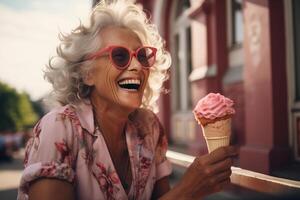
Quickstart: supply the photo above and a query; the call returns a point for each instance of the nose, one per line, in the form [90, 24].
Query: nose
[134, 65]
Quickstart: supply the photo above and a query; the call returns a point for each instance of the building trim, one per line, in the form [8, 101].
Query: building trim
[295, 118]
[290, 63]
[203, 72]
[199, 7]
[240, 176]
[158, 14]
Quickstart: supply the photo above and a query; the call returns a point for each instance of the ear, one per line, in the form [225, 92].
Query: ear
[88, 79]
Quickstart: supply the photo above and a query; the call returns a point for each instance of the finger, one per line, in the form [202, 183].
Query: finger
[219, 178]
[225, 182]
[226, 150]
[221, 166]
[221, 154]
[209, 189]
[222, 185]
[214, 169]
[224, 176]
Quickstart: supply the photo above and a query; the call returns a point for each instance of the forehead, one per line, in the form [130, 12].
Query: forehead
[114, 35]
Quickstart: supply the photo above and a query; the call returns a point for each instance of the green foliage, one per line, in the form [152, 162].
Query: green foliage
[27, 115]
[16, 110]
[38, 108]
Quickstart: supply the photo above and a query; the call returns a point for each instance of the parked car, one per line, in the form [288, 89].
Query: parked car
[10, 143]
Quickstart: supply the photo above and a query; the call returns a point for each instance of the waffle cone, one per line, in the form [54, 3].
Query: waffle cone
[216, 142]
[217, 134]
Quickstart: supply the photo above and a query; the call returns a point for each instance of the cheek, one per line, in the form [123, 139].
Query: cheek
[147, 73]
[110, 82]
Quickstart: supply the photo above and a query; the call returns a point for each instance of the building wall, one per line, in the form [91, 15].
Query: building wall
[258, 85]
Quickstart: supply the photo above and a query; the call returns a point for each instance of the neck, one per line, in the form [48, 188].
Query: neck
[111, 119]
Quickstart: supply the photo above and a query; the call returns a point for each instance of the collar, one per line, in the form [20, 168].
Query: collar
[84, 112]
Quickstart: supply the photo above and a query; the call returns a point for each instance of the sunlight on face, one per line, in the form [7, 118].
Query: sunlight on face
[107, 79]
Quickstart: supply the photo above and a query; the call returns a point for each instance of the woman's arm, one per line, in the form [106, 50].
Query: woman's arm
[49, 157]
[48, 189]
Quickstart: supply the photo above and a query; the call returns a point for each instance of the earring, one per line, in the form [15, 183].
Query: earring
[78, 95]
[82, 91]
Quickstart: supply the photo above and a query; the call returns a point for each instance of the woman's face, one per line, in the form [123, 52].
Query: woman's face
[113, 86]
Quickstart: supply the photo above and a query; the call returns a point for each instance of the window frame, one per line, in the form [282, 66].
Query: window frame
[293, 105]
[181, 59]
[236, 50]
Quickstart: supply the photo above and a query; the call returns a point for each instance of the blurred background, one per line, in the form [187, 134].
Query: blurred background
[28, 38]
[247, 50]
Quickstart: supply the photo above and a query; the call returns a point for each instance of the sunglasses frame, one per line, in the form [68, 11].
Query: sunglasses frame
[109, 49]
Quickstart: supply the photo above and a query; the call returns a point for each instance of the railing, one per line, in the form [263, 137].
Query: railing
[245, 178]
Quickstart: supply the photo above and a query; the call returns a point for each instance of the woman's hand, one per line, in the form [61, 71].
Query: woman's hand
[207, 174]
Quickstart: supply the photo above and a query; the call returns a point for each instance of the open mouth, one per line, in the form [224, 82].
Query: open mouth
[130, 84]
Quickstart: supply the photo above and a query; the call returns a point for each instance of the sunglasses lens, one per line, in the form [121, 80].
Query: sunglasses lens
[120, 57]
[146, 56]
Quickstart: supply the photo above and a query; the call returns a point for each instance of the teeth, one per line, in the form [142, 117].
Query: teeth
[130, 81]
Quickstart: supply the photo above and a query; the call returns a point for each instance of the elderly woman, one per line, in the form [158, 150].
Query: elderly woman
[104, 141]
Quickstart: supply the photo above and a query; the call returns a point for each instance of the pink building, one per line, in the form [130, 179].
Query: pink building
[249, 51]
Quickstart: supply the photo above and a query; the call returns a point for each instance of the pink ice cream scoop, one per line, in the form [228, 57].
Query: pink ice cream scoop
[213, 107]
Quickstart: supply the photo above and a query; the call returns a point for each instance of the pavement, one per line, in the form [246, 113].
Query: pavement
[236, 192]
[10, 175]
[11, 170]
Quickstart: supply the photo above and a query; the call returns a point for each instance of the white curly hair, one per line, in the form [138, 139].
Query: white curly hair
[67, 69]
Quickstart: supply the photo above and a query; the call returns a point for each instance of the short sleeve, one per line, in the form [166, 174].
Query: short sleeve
[50, 152]
[163, 165]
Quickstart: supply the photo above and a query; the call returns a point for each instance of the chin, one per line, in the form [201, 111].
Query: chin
[130, 100]
[131, 105]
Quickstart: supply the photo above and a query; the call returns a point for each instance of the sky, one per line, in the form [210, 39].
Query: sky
[29, 36]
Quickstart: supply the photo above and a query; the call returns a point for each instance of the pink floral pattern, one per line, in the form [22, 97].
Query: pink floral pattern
[34, 141]
[70, 114]
[27, 150]
[107, 180]
[49, 170]
[144, 169]
[57, 170]
[65, 153]
[66, 147]
[37, 131]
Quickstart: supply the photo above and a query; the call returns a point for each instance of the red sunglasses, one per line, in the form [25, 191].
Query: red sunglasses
[121, 56]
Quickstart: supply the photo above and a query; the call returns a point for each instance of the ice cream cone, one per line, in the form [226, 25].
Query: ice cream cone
[215, 142]
[217, 134]
[213, 113]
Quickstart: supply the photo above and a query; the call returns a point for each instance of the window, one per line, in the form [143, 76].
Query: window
[183, 122]
[235, 41]
[182, 6]
[237, 22]
[181, 87]
[177, 75]
[296, 24]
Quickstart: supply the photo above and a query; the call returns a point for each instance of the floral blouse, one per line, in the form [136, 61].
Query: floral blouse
[67, 146]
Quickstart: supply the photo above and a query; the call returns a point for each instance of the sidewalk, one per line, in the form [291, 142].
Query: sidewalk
[236, 192]
[10, 173]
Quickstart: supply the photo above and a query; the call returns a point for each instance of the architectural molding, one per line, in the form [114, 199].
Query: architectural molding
[203, 72]
[201, 6]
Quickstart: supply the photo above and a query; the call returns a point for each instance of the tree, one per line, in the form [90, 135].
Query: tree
[27, 114]
[16, 112]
